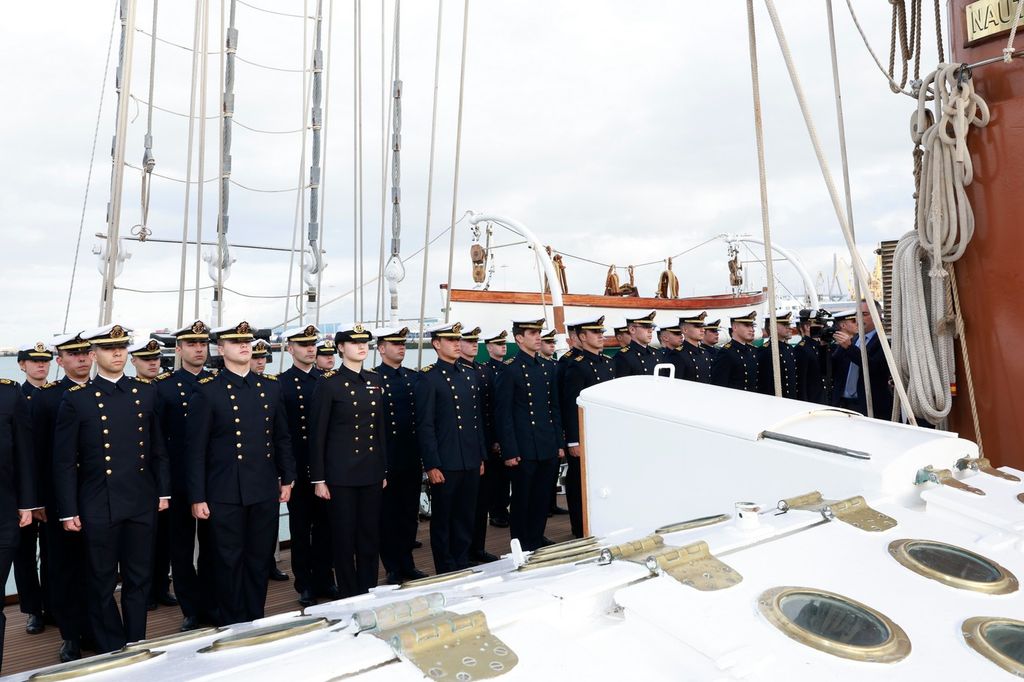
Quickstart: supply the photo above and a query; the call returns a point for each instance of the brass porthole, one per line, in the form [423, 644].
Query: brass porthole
[269, 633]
[1000, 640]
[693, 523]
[834, 624]
[94, 664]
[953, 566]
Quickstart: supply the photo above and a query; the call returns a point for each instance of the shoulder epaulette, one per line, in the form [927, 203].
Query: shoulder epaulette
[50, 384]
[329, 373]
[77, 387]
[371, 369]
[510, 361]
[206, 380]
[728, 345]
[214, 371]
[6, 381]
[142, 380]
[161, 377]
[624, 349]
[272, 377]
[579, 358]
[427, 368]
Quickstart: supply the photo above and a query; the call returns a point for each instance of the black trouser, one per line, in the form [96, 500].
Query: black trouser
[531, 499]
[8, 546]
[242, 538]
[161, 582]
[111, 545]
[400, 508]
[196, 590]
[66, 569]
[483, 506]
[309, 527]
[32, 597]
[355, 527]
[498, 485]
[574, 494]
[452, 509]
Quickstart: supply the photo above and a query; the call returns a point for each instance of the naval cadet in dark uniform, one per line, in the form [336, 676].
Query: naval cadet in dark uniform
[622, 337]
[809, 352]
[348, 459]
[450, 430]
[111, 476]
[670, 338]
[547, 352]
[696, 361]
[325, 355]
[529, 425]
[499, 492]
[547, 346]
[258, 361]
[194, 585]
[787, 361]
[18, 489]
[710, 341]
[308, 521]
[589, 366]
[64, 564]
[145, 358]
[239, 469]
[400, 503]
[33, 598]
[469, 345]
[638, 357]
[735, 366]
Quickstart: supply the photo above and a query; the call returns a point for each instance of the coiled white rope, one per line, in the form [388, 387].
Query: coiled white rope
[923, 313]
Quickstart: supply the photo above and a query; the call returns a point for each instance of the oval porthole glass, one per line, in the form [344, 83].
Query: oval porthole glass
[834, 624]
[1000, 640]
[954, 566]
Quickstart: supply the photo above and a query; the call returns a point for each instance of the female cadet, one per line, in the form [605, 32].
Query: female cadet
[348, 460]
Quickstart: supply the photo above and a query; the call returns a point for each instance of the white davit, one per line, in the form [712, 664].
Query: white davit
[733, 537]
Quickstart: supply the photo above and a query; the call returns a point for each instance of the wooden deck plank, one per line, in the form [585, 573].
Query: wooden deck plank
[24, 652]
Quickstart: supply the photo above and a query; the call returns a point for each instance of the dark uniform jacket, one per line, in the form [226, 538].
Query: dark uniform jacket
[349, 432]
[881, 392]
[173, 391]
[403, 447]
[635, 359]
[712, 351]
[696, 363]
[787, 367]
[43, 405]
[449, 422]
[560, 366]
[236, 440]
[109, 457]
[17, 462]
[585, 369]
[28, 389]
[297, 392]
[527, 409]
[486, 397]
[735, 366]
[808, 369]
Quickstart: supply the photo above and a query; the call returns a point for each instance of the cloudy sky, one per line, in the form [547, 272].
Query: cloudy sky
[620, 132]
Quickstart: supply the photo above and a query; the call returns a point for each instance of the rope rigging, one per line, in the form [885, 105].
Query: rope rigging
[394, 271]
[313, 269]
[458, 159]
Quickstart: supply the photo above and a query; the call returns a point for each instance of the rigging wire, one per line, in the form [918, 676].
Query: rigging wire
[458, 158]
[250, 62]
[201, 163]
[92, 159]
[148, 162]
[280, 14]
[196, 33]
[182, 114]
[323, 176]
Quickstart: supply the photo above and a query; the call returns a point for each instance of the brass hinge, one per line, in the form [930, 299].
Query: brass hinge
[984, 465]
[645, 546]
[693, 565]
[854, 511]
[400, 613]
[452, 646]
[944, 477]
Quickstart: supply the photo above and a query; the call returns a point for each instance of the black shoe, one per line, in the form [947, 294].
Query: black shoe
[415, 574]
[278, 575]
[151, 606]
[306, 599]
[69, 651]
[395, 578]
[483, 557]
[35, 624]
[189, 623]
[416, 544]
[167, 599]
[499, 521]
[558, 511]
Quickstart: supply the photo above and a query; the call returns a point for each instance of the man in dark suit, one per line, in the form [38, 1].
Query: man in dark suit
[808, 357]
[495, 342]
[194, 588]
[638, 357]
[307, 514]
[589, 366]
[848, 378]
[17, 479]
[239, 469]
[787, 361]
[450, 430]
[735, 365]
[530, 432]
[401, 498]
[33, 598]
[64, 562]
[110, 476]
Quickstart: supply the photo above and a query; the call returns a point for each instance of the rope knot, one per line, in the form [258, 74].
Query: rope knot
[1008, 54]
